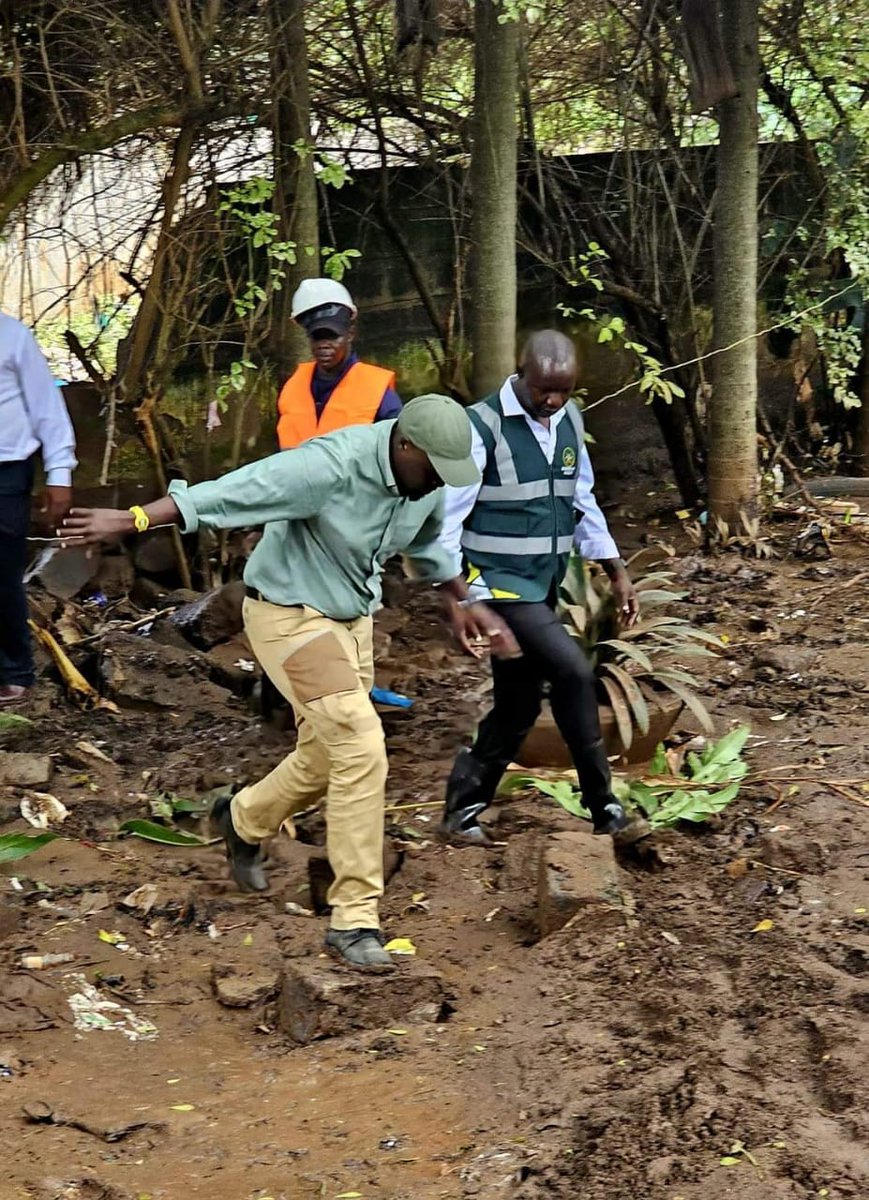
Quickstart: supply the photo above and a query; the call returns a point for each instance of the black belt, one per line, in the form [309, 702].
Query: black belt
[253, 594]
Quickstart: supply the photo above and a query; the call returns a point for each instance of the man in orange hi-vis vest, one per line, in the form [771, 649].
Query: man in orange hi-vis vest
[335, 389]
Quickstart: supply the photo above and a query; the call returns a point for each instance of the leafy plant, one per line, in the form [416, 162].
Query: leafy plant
[634, 666]
[14, 846]
[151, 832]
[698, 789]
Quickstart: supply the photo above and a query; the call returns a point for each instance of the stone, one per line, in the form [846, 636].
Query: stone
[790, 660]
[64, 573]
[115, 577]
[141, 673]
[24, 770]
[237, 989]
[320, 1000]
[578, 881]
[214, 617]
[154, 553]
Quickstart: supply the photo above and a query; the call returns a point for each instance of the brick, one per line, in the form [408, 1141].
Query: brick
[319, 1000]
[24, 770]
[578, 881]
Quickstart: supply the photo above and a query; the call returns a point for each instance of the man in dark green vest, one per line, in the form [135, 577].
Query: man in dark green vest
[514, 532]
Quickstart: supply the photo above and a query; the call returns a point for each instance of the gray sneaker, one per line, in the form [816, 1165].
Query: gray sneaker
[361, 949]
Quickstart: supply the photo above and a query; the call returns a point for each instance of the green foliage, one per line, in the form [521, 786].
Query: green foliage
[152, 832]
[635, 666]
[703, 787]
[14, 846]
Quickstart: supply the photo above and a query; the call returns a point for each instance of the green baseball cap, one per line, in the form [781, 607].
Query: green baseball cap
[441, 428]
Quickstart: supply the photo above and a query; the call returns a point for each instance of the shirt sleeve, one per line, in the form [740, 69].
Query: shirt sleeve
[592, 538]
[289, 486]
[47, 411]
[426, 552]
[390, 406]
[458, 503]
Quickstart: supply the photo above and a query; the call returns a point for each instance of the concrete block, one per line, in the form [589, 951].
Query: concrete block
[320, 1000]
[578, 881]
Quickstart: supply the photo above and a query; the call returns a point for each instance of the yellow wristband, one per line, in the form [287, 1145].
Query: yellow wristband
[140, 518]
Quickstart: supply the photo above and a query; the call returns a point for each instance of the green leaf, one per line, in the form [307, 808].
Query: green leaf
[622, 713]
[659, 765]
[633, 652]
[728, 749]
[159, 833]
[729, 1161]
[690, 701]
[633, 694]
[13, 721]
[14, 846]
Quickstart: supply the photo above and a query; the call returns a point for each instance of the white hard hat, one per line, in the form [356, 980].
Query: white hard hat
[316, 293]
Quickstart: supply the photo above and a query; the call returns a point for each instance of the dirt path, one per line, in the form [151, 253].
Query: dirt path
[614, 1064]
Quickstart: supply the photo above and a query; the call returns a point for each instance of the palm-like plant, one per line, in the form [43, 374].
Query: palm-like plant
[636, 666]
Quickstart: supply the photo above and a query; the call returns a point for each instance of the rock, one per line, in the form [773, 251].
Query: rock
[222, 662]
[791, 851]
[521, 855]
[140, 673]
[147, 593]
[154, 553]
[65, 572]
[115, 577]
[790, 660]
[578, 877]
[214, 617]
[24, 770]
[237, 989]
[319, 1000]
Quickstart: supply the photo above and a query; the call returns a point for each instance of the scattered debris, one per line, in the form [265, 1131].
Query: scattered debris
[93, 1011]
[41, 809]
[38, 1112]
[24, 770]
[142, 899]
[40, 962]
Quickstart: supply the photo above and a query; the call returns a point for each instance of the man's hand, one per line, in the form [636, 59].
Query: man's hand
[55, 504]
[477, 629]
[627, 601]
[86, 526]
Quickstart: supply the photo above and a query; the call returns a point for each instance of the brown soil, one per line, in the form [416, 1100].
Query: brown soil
[617, 1066]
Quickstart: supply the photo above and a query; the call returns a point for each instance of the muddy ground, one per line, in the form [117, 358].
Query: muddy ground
[613, 1063]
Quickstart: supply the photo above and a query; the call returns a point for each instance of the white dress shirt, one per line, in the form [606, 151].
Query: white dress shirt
[32, 408]
[592, 537]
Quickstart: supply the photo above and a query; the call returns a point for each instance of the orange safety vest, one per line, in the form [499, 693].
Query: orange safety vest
[354, 401]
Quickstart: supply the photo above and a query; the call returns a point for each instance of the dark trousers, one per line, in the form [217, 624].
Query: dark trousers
[16, 485]
[549, 655]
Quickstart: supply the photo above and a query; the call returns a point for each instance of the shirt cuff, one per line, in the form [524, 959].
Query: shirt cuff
[185, 506]
[598, 549]
[58, 477]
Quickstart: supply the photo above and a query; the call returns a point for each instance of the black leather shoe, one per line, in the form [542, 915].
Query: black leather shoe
[612, 821]
[469, 789]
[361, 949]
[245, 858]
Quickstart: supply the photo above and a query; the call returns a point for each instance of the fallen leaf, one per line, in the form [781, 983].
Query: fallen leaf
[764, 926]
[143, 898]
[737, 869]
[683, 514]
[182, 1107]
[729, 1161]
[248, 940]
[111, 938]
[397, 1032]
[93, 751]
[152, 832]
[779, 717]
[400, 945]
[349, 1196]
[417, 897]
[670, 937]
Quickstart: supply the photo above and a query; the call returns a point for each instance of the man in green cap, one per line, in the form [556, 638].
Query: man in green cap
[335, 511]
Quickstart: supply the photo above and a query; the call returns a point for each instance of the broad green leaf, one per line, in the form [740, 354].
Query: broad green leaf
[18, 845]
[13, 721]
[729, 748]
[159, 833]
[659, 765]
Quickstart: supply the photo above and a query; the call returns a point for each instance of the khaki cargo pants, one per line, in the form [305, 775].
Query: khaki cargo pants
[325, 669]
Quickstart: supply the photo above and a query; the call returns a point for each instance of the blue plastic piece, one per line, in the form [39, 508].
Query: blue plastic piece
[393, 699]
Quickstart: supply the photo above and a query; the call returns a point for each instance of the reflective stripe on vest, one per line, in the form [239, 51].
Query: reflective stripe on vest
[520, 532]
[355, 401]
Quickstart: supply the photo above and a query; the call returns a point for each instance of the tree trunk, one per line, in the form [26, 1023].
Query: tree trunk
[295, 183]
[493, 187]
[733, 410]
[861, 433]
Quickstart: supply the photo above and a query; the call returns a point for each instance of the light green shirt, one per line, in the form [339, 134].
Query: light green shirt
[333, 518]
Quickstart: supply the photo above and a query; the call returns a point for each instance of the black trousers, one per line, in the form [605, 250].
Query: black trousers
[16, 659]
[549, 655]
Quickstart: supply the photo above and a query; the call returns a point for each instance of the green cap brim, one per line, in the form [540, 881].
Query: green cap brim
[456, 472]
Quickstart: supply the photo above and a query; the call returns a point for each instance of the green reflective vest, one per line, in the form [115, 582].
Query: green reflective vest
[519, 533]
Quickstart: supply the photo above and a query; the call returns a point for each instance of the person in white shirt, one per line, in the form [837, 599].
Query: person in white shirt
[33, 417]
[513, 534]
